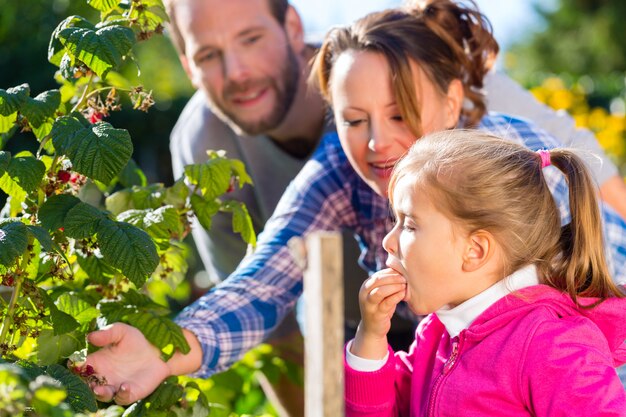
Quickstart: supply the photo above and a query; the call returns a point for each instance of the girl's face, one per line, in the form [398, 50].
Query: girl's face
[428, 250]
[369, 124]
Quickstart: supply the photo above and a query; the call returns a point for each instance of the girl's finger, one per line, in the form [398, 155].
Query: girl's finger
[378, 294]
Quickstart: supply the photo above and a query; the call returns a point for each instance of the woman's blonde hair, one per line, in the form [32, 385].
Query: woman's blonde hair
[445, 38]
[484, 182]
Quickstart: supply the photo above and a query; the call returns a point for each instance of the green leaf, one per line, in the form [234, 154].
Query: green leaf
[5, 159]
[151, 15]
[76, 307]
[32, 370]
[56, 50]
[13, 241]
[103, 5]
[119, 202]
[212, 177]
[82, 221]
[173, 265]
[26, 171]
[62, 322]
[149, 197]
[79, 395]
[12, 99]
[239, 170]
[132, 175]
[98, 151]
[204, 210]
[42, 236]
[101, 50]
[242, 223]
[167, 394]
[52, 213]
[95, 267]
[164, 224]
[41, 108]
[16, 193]
[6, 124]
[159, 330]
[177, 194]
[129, 249]
[134, 217]
[51, 349]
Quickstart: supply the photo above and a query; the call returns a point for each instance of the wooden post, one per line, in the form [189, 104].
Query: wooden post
[324, 327]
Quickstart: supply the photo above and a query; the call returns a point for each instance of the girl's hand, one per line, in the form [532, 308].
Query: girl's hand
[378, 298]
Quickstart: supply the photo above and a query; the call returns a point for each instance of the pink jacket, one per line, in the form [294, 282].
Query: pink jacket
[532, 353]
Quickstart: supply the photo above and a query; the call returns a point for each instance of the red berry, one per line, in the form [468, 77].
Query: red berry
[87, 371]
[95, 116]
[64, 176]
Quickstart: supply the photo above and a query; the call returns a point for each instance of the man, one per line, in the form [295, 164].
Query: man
[249, 61]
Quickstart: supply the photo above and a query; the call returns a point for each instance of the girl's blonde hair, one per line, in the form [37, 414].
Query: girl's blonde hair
[484, 182]
[446, 39]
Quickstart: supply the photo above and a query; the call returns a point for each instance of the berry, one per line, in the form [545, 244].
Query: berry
[95, 117]
[64, 176]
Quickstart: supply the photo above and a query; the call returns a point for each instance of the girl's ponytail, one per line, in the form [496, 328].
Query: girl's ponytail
[580, 269]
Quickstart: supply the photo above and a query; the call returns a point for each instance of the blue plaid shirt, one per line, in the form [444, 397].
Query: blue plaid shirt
[327, 194]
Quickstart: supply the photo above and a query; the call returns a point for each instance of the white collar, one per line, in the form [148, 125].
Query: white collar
[460, 317]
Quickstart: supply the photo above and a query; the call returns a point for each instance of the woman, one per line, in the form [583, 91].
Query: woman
[426, 64]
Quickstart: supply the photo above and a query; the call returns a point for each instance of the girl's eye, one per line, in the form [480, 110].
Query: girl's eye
[408, 226]
[397, 118]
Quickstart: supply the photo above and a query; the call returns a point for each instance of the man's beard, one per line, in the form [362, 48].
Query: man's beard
[284, 86]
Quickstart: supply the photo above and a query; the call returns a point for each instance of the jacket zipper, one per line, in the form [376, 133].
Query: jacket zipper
[447, 367]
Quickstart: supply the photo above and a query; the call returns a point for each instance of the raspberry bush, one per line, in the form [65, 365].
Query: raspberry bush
[85, 241]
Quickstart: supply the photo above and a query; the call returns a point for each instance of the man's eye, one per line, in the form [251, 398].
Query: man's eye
[208, 56]
[251, 40]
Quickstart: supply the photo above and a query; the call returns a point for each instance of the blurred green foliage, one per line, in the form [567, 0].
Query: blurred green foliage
[581, 38]
[577, 63]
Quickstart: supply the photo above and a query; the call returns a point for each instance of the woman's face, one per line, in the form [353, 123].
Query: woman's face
[369, 124]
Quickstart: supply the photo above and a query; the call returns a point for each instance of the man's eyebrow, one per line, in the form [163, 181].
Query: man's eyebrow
[249, 31]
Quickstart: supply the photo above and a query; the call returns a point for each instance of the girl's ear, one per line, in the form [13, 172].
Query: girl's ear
[455, 97]
[295, 30]
[480, 249]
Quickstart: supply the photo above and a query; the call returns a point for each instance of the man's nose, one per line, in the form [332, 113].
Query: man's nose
[235, 69]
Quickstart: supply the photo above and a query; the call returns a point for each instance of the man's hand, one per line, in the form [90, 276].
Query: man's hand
[378, 298]
[132, 367]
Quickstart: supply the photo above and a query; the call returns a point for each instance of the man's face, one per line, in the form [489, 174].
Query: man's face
[242, 58]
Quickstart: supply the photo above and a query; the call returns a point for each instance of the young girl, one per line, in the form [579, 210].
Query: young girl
[524, 317]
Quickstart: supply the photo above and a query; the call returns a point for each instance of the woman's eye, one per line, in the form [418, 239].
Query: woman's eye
[352, 123]
[397, 118]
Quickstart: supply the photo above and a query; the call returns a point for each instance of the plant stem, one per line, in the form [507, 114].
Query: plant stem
[84, 95]
[8, 320]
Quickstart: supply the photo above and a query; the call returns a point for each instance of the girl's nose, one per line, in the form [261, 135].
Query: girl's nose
[390, 241]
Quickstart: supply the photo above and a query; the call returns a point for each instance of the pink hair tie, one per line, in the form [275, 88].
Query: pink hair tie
[545, 157]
